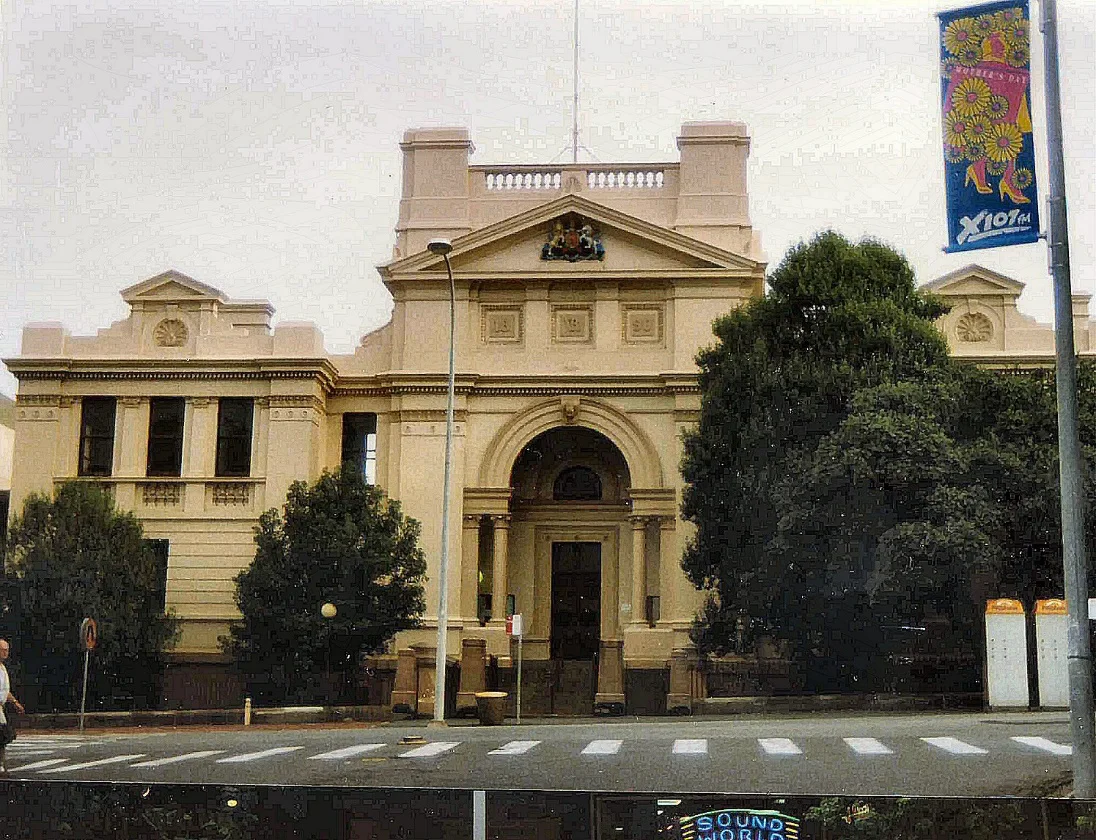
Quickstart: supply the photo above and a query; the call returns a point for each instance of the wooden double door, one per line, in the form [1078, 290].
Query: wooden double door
[576, 626]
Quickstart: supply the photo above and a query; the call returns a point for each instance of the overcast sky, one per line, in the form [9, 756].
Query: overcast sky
[252, 144]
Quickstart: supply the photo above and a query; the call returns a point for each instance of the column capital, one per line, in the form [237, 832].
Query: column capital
[667, 523]
[500, 520]
[471, 520]
[639, 521]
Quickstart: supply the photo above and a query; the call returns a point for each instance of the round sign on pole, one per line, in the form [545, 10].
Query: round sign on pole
[89, 634]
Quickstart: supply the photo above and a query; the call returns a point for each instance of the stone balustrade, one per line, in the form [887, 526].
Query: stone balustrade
[592, 177]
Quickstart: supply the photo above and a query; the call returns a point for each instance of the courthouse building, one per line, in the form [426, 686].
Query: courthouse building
[583, 293]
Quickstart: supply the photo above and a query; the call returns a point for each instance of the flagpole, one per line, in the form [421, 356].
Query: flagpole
[1074, 560]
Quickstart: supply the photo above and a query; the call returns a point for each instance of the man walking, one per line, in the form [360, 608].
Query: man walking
[7, 733]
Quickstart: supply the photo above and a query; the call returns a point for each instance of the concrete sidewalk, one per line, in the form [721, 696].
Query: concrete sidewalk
[728, 707]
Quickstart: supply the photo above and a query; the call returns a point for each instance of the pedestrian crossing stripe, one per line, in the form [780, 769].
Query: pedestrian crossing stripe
[430, 750]
[1044, 744]
[779, 746]
[34, 765]
[175, 759]
[868, 746]
[101, 762]
[691, 746]
[776, 747]
[346, 752]
[235, 759]
[955, 746]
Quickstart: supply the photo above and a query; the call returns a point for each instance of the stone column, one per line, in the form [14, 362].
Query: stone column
[668, 560]
[469, 569]
[473, 674]
[639, 568]
[501, 523]
[404, 692]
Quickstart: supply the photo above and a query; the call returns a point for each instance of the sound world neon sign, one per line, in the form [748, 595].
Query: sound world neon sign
[739, 824]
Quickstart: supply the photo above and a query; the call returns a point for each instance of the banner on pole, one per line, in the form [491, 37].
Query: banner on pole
[989, 159]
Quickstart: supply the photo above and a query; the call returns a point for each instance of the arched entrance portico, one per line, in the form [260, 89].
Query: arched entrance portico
[568, 528]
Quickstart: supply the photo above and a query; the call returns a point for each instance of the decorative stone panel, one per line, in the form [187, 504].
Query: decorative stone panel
[229, 493]
[573, 324]
[37, 406]
[501, 324]
[642, 323]
[170, 332]
[161, 493]
[974, 327]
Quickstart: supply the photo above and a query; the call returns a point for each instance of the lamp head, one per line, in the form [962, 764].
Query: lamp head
[441, 247]
[328, 610]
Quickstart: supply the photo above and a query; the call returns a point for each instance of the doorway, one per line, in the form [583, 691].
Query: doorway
[576, 626]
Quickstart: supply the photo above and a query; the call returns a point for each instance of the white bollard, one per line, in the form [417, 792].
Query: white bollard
[247, 711]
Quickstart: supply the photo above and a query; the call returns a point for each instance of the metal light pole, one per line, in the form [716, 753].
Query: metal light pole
[443, 247]
[1069, 447]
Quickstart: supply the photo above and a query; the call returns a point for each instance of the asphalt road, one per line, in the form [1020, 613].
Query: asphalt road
[917, 755]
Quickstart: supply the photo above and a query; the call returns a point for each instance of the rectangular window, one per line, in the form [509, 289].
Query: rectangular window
[165, 435]
[97, 435]
[234, 423]
[160, 549]
[359, 444]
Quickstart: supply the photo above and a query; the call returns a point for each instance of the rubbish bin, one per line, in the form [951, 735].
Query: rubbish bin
[491, 706]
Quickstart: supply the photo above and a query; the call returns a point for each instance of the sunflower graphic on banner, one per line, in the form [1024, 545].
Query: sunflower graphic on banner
[989, 159]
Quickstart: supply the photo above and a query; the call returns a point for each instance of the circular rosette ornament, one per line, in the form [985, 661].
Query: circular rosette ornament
[1005, 142]
[947, 67]
[953, 154]
[959, 34]
[971, 97]
[997, 167]
[1022, 178]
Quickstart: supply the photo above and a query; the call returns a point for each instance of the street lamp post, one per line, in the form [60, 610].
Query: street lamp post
[443, 247]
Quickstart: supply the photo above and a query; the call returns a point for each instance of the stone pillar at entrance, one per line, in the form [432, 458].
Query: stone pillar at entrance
[473, 673]
[405, 692]
[639, 568]
[610, 678]
[501, 523]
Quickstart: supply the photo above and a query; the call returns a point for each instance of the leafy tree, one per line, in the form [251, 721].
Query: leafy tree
[896, 483]
[840, 317]
[338, 541]
[75, 556]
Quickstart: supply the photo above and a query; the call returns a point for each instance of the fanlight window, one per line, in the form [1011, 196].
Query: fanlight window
[577, 484]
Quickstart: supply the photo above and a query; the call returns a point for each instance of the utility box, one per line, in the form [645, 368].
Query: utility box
[1006, 655]
[1050, 640]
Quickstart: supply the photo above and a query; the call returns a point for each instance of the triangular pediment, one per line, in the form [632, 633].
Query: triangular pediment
[974, 280]
[513, 246]
[171, 286]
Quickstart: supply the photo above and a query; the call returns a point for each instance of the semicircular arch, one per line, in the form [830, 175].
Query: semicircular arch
[644, 465]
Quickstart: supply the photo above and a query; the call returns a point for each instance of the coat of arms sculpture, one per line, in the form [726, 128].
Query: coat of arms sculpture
[577, 240]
